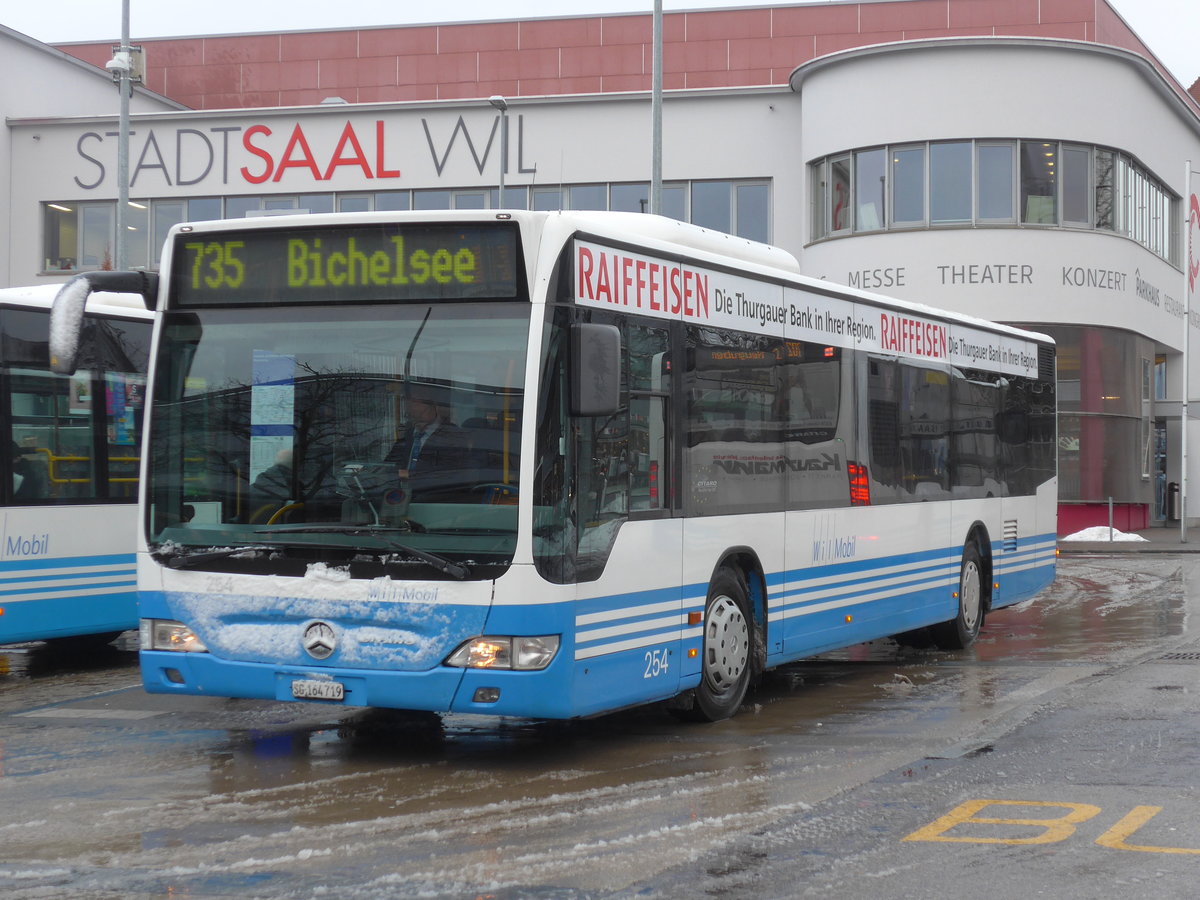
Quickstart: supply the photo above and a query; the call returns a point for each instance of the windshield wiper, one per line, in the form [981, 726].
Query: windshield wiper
[443, 565]
[181, 558]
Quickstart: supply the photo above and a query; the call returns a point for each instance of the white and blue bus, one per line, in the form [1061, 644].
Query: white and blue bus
[660, 462]
[71, 445]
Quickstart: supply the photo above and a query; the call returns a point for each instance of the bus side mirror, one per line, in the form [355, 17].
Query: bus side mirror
[66, 325]
[66, 315]
[595, 369]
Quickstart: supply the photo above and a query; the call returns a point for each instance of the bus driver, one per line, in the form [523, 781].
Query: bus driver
[432, 455]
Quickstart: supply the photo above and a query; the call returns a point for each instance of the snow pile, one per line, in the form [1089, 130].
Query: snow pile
[1102, 533]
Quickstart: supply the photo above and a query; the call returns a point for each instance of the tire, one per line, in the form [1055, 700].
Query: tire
[961, 631]
[728, 649]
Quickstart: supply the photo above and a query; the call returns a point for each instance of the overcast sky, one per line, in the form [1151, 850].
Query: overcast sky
[1171, 28]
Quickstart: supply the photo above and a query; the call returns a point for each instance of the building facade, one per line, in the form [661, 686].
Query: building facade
[1019, 162]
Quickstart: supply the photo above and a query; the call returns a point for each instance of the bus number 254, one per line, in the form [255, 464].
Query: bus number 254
[656, 662]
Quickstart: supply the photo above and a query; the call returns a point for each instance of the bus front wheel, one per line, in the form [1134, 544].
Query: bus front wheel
[727, 652]
[961, 631]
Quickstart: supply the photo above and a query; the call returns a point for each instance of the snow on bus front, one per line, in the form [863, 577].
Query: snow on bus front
[256, 636]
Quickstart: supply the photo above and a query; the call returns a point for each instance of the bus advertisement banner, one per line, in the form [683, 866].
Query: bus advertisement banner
[622, 280]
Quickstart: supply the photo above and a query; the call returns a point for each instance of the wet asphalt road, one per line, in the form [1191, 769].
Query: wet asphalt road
[1055, 758]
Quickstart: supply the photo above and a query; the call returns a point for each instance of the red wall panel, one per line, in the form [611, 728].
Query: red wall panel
[577, 54]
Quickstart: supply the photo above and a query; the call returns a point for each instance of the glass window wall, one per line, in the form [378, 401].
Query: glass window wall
[995, 182]
[78, 236]
[1104, 420]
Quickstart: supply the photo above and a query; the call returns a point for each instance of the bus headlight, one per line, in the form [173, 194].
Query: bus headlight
[166, 634]
[491, 652]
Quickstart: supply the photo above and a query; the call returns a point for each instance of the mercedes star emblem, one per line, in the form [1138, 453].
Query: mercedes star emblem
[319, 640]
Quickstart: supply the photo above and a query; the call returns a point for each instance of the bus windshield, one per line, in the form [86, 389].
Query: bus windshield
[374, 436]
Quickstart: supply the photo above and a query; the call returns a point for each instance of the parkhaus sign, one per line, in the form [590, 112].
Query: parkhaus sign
[301, 154]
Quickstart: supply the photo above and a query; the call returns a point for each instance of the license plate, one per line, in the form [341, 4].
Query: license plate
[318, 690]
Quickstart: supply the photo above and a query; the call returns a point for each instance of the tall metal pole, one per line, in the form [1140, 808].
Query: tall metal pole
[656, 114]
[124, 86]
[503, 150]
[1187, 333]
[501, 104]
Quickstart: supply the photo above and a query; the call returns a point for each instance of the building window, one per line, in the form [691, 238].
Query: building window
[435, 199]
[60, 228]
[589, 196]
[1106, 174]
[908, 186]
[674, 202]
[1076, 177]
[165, 213]
[994, 182]
[471, 200]
[514, 198]
[950, 183]
[354, 203]
[839, 194]
[391, 200]
[818, 190]
[204, 209]
[137, 234]
[1147, 419]
[238, 207]
[629, 197]
[1039, 187]
[280, 204]
[712, 205]
[97, 223]
[753, 212]
[870, 186]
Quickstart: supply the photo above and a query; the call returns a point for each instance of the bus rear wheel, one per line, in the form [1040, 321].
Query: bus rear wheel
[728, 640]
[961, 631]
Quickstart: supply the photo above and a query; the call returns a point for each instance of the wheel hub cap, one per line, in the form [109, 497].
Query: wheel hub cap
[726, 644]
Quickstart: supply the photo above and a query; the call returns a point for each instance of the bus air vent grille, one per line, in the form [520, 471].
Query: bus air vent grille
[1045, 363]
[1010, 535]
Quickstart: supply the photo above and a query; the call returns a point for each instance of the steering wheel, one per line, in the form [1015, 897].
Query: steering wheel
[494, 492]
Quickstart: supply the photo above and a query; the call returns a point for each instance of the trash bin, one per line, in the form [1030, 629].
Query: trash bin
[1173, 501]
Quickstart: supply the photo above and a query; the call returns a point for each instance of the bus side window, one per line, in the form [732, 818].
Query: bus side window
[53, 433]
[124, 400]
[649, 417]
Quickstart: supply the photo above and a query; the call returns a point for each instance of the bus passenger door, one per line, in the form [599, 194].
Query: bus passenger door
[629, 617]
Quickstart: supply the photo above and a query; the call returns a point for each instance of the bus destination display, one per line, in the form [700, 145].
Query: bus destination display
[388, 261]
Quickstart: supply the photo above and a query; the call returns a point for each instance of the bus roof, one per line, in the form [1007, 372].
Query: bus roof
[653, 233]
[41, 296]
[657, 232]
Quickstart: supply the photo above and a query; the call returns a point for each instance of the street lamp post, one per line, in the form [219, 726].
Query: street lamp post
[121, 74]
[501, 104]
[125, 67]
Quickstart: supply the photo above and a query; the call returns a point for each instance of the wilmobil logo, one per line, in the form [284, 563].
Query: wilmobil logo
[19, 545]
[835, 549]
